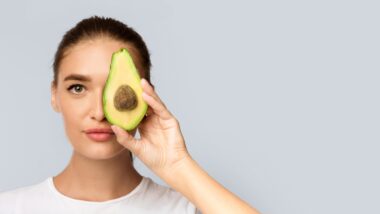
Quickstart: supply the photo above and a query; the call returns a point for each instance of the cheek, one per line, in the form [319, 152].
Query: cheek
[73, 112]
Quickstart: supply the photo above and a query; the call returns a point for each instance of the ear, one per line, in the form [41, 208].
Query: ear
[53, 101]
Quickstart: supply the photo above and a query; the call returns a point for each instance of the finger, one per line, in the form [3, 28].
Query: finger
[150, 90]
[149, 111]
[157, 107]
[127, 140]
[147, 114]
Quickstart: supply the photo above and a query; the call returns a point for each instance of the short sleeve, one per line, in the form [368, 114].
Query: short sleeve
[191, 209]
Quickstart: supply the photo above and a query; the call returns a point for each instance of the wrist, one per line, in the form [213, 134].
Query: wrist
[185, 177]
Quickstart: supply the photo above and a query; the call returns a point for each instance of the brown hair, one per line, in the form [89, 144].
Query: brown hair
[97, 27]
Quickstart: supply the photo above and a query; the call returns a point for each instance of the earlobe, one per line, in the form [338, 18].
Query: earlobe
[54, 105]
[53, 99]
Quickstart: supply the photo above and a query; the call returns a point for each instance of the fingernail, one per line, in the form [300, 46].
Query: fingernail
[144, 95]
[143, 81]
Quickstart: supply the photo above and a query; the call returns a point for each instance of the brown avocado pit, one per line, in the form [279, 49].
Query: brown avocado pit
[125, 98]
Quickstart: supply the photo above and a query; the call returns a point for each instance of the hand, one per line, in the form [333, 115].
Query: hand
[161, 146]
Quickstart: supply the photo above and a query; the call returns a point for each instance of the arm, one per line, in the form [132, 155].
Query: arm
[203, 191]
[161, 147]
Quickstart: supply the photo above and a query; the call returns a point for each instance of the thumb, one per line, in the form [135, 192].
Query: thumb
[126, 139]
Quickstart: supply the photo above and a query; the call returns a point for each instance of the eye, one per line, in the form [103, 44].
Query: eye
[76, 88]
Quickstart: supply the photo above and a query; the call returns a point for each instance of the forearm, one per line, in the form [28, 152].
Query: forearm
[203, 191]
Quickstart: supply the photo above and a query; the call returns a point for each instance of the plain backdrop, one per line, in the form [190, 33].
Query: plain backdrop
[277, 100]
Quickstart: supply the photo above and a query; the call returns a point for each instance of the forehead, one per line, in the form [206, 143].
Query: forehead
[92, 58]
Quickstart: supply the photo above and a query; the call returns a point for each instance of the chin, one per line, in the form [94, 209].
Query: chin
[99, 151]
[94, 150]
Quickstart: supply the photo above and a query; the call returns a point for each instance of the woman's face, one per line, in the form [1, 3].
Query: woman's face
[78, 96]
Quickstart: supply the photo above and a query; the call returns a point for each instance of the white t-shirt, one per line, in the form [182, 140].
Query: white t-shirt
[42, 198]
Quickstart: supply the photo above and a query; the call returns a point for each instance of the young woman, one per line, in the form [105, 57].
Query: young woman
[100, 177]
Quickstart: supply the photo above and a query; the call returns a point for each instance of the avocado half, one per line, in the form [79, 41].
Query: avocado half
[123, 104]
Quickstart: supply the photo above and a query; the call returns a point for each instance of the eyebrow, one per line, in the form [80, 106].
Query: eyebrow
[78, 77]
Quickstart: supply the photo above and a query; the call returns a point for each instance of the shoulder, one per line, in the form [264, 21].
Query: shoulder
[17, 197]
[161, 191]
[165, 197]
[19, 192]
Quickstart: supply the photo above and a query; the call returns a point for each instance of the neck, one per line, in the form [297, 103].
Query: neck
[98, 180]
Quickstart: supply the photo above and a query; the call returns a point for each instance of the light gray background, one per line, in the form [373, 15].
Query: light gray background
[278, 100]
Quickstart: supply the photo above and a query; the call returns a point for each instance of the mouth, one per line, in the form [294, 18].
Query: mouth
[100, 135]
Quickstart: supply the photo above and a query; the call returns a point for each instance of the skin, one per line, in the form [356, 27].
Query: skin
[107, 166]
[104, 165]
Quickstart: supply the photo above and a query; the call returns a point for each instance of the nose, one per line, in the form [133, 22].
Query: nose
[97, 112]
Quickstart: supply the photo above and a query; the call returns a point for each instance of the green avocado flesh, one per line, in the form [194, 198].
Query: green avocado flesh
[123, 104]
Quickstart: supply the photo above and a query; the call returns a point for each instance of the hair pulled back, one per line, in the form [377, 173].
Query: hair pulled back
[98, 27]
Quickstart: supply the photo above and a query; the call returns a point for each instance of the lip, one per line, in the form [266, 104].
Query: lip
[99, 130]
[100, 134]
